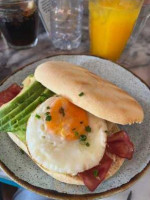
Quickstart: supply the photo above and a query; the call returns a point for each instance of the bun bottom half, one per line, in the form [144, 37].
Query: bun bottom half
[75, 180]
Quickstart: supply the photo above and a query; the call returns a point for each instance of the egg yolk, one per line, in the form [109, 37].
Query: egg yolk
[67, 119]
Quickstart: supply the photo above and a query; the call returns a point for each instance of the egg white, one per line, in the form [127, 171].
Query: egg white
[55, 153]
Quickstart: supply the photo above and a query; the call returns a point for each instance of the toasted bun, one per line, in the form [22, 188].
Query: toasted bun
[75, 179]
[101, 98]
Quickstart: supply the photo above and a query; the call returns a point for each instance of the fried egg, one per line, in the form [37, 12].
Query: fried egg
[65, 138]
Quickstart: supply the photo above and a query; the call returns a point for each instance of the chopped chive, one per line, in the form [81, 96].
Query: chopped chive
[81, 94]
[21, 151]
[88, 129]
[95, 173]
[48, 118]
[76, 133]
[47, 113]
[83, 138]
[87, 144]
[37, 116]
[48, 107]
[61, 111]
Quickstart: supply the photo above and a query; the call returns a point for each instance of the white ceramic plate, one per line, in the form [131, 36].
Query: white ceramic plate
[21, 168]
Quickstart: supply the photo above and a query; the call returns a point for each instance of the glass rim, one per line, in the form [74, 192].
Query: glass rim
[12, 1]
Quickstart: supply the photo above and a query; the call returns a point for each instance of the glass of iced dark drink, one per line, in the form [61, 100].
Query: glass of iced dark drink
[19, 23]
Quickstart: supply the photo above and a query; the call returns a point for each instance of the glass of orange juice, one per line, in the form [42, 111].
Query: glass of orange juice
[111, 24]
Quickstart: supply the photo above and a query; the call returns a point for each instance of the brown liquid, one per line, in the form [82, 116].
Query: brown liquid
[19, 25]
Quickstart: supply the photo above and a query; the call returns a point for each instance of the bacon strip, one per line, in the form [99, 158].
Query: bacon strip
[9, 93]
[120, 144]
[93, 177]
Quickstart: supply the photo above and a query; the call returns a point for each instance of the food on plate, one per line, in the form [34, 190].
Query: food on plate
[65, 118]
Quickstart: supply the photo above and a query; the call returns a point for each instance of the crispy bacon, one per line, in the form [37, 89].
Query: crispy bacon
[9, 93]
[120, 144]
[93, 177]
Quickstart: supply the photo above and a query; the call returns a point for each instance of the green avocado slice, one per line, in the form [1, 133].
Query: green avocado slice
[15, 114]
[11, 115]
[19, 99]
[26, 111]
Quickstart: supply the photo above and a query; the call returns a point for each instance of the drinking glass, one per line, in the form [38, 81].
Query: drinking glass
[19, 22]
[112, 23]
[66, 23]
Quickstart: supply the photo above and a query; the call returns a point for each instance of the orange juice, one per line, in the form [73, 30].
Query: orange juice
[111, 24]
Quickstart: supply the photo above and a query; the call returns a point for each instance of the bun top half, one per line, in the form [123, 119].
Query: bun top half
[90, 92]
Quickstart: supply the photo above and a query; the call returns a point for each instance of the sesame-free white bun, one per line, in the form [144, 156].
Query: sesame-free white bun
[74, 179]
[100, 97]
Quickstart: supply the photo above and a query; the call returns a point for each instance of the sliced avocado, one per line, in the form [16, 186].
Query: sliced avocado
[21, 135]
[19, 99]
[19, 124]
[15, 114]
[26, 111]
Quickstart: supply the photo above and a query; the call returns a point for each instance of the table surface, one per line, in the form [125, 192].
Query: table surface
[136, 58]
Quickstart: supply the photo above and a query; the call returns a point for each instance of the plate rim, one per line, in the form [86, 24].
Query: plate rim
[58, 195]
